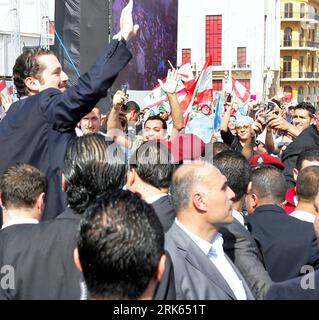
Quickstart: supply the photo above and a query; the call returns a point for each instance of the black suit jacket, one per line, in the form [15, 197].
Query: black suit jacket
[42, 256]
[287, 243]
[165, 211]
[308, 139]
[37, 129]
[242, 249]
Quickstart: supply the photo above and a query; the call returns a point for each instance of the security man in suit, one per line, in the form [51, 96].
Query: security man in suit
[203, 203]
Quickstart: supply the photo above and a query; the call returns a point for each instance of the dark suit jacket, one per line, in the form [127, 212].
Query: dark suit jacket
[42, 256]
[165, 211]
[37, 129]
[242, 249]
[308, 139]
[286, 243]
[292, 289]
[196, 277]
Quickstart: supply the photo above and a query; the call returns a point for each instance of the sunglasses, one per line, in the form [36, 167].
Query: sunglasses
[245, 127]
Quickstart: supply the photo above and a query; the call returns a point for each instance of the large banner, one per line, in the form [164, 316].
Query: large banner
[155, 45]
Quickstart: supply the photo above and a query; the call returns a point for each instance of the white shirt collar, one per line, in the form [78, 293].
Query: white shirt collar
[152, 199]
[304, 216]
[15, 221]
[205, 246]
[238, 216]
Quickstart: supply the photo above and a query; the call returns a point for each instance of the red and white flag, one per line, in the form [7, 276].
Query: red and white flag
[202, 90]
[240, 90]
[186, 73]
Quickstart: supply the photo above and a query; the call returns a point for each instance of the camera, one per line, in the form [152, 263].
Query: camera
[124, 88]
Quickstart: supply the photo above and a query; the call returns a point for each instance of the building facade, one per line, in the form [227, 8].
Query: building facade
[299, 50]
[23, 23]
[243, 38]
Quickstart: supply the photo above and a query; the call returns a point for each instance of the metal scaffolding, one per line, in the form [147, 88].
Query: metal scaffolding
[45, 39]
[15, 34]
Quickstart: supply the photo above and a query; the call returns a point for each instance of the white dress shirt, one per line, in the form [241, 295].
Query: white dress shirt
[239, 217]
[152, 199]
[303, 215]
[16, 220]
[214, 250]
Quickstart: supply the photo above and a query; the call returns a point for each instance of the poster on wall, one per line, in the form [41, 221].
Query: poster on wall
[155, 44]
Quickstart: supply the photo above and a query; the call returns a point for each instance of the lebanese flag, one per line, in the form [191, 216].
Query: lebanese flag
[202, 90]
[240, 91]
[157, 96]
[186, 73]
[2, 85]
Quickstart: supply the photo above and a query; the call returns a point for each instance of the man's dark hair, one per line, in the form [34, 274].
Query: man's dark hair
[307, 185]
[235, 167]
[20, 186]
[269, 181]
[153, 164]
[306, 106]
[308, 154]
[157, 117]
[212, 149]
[27, 65]
[131, 106]
[120, 243]
[92, 166]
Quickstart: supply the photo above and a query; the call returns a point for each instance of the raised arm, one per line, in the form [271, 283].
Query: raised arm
[64, 110]
[169, 87]
[114, 122]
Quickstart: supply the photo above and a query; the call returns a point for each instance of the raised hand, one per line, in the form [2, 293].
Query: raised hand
[170, 86]
[6, 101]
[127, 28]
[118, 100]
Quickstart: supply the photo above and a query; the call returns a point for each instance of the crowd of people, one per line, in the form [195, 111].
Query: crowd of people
[129, 206]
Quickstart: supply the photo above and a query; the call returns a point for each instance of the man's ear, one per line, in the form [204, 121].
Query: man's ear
[131, 178]
[254, 200]
[199, 202]
[64, 184]
[161, 268]
[76, 258]
[295, 173]
[1, 203]
[249, 187]
[40, 202]
[32, 84]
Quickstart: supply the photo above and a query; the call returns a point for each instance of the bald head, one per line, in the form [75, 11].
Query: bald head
[191, 177]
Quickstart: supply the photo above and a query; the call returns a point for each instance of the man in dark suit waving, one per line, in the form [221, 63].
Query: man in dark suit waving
[39, 126]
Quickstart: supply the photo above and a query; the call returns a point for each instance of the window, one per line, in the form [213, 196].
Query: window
[241, 57]
[302, 10]
[300, 94]
[287, 37]
[301, 67]
[301, 37]
[186, 56]
[287, 67]
[217, 85]
[214, 39]
[288, 10]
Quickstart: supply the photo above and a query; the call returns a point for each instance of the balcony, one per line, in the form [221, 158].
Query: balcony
[300, 16]
[299, 45]
[241, 66]
[299, 76]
